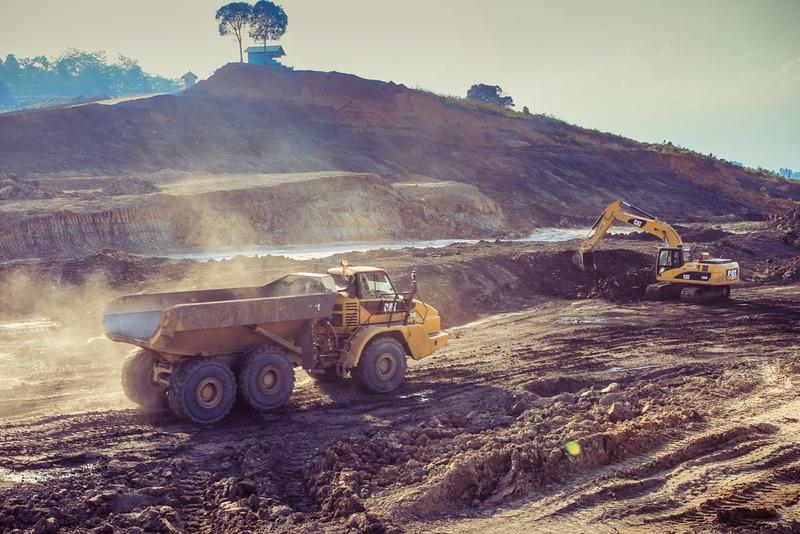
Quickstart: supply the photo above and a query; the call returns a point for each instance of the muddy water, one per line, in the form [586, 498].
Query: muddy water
[312, 252]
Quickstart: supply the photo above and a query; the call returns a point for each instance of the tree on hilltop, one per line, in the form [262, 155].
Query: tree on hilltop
[268, 21]
[233, 18]
[489, 94]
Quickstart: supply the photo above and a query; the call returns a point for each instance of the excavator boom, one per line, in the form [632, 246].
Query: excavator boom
[621, 211]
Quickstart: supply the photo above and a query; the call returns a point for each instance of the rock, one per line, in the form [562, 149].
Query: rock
[246, 487]
[413, 464]
[128, 502]
[611, 388]
[555, 456]
[609, 399]
[566, 398]
[543, 402]
[46, 526]
[520, 406]
[100, 498]
[105, 528]
[619, 412]
[281, 510]
[156, 491]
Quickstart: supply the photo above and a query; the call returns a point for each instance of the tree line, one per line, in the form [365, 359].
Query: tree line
[23, 81]
[263, 21]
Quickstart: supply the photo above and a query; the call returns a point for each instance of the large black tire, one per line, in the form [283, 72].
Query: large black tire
[201, 390]
[138, 383]
[382, 367]
[266, 378]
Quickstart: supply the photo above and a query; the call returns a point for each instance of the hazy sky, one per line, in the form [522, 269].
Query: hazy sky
[719, 76]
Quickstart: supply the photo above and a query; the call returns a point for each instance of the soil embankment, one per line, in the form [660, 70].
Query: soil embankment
[229, 212]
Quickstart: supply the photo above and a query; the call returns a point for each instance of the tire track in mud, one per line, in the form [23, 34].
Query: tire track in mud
[742, 476]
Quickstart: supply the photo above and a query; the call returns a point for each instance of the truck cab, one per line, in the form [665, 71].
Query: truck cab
[369, 304]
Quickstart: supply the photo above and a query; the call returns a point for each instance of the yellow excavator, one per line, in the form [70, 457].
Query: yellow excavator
[678, 275]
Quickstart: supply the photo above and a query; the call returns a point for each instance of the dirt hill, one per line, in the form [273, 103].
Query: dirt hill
[249, 118]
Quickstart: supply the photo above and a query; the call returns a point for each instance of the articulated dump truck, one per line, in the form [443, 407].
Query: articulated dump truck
[198, 349]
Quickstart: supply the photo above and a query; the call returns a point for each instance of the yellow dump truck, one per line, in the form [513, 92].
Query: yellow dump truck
[199, 348]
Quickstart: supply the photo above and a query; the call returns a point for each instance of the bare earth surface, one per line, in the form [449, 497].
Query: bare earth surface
[564, 402]
[556, 413]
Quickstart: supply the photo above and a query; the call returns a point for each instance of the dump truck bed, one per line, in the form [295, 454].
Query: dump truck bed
[220, 321]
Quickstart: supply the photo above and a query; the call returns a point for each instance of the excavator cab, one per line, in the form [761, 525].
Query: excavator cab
[671, 258]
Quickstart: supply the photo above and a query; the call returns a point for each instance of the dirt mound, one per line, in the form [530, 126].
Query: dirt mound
[783, 270]
[701, 235]
[129, 186]
[789, 224]
[687, 233]
[497, 280]
[14, 188]
[627, 285]
[312, 121]
[457, 462]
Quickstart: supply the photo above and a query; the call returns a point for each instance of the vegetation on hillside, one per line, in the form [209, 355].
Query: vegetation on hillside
[489, 94]
[76, 74]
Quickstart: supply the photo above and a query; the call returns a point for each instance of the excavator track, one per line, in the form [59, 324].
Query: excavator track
[703, 294]
[686, 293]
[663, 291]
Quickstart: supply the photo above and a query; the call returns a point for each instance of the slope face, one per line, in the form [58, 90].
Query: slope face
[213, 214]
[249, 118]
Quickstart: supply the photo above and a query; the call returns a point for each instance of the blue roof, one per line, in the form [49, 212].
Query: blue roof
[276, 50]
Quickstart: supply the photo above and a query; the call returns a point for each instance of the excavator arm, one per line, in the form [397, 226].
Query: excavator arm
[620, 211]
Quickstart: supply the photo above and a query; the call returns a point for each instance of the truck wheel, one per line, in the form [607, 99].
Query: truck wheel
[138, 383]
[382, 366]
[266, 378]
[201, 390]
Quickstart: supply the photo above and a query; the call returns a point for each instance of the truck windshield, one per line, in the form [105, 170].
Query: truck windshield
[375, 285]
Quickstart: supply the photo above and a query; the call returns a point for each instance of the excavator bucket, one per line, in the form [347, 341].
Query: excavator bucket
[584, 260]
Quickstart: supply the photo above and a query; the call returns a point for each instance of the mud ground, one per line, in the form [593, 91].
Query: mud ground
[567, 403]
